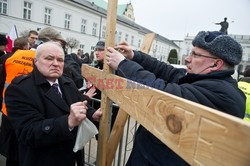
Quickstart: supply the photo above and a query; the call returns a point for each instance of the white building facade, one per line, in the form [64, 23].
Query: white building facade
[186, 46]
[79, 19]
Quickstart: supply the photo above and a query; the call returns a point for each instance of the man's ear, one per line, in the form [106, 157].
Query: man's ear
[219, 64]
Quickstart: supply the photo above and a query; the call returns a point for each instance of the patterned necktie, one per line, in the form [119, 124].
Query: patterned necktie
[55, 87]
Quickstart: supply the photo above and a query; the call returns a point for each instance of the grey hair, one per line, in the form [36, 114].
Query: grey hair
[41, 48]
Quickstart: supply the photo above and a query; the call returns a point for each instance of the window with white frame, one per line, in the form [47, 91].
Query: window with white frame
[82, 46]
[27, 10]
[132, 40]
[67, 21]
[103, 31]
[47, 16]
[119, 37]
[94, 29]
[126, 37]
[3, 6]
[83, 25]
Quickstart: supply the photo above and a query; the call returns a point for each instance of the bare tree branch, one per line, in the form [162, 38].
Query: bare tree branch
[72, 43]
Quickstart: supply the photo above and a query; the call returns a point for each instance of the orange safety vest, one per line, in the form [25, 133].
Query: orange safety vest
[20, 63]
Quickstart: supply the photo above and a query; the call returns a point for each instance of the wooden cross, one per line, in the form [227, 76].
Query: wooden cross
[199, 134]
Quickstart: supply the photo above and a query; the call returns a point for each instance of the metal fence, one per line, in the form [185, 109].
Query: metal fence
[124, 148]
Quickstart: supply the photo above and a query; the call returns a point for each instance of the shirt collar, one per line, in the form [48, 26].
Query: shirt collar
[51, 83]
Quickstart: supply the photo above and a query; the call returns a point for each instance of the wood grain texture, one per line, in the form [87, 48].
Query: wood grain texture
[147, 42]
[105, 104]
[116, 135]
[200, 135]
[122, 116]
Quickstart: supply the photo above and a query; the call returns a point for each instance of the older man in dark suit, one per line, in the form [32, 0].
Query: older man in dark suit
[45, 109]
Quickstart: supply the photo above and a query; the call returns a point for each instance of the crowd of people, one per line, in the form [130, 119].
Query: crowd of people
[46, 129]
[42, 106]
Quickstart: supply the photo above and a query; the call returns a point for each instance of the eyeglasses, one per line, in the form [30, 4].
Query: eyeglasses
[195, 55]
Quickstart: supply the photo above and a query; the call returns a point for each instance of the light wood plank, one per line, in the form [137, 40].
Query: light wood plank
[116, 135]
[122, 116]
[105, 101]
[200, 135]
[147, 42]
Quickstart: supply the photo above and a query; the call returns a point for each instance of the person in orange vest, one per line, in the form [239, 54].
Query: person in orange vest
[45, 109]
[18, 62]
[20, 43]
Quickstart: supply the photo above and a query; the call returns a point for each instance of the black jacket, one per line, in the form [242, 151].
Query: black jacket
[217, 90]
[40, 119]
[72, 69]
[3, 58]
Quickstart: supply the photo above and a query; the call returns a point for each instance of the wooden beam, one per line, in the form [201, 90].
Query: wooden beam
[105, 101]
[147, 42]
[122, 116]
[116, 135]
[199, 134]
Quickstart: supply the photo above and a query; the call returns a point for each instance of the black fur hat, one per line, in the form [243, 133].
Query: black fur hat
[220, 45]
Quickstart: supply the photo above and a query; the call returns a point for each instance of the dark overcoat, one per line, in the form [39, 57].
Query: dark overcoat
[40, 119]
[216, 90]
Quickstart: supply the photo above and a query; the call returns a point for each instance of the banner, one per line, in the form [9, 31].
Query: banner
[11, 37]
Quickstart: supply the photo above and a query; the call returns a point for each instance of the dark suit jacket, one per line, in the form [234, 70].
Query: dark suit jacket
[40, 119]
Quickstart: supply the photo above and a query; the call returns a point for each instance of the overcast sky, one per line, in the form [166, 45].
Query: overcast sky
[174, 19]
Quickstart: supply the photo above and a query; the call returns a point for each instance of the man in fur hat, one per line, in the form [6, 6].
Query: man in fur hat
[207, 81]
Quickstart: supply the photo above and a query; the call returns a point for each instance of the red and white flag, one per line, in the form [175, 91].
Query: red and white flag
[11, 37]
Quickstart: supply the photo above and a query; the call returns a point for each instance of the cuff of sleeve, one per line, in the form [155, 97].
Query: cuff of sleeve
[122, 62]
[137, 56]
[65, 123]
[64, 126]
